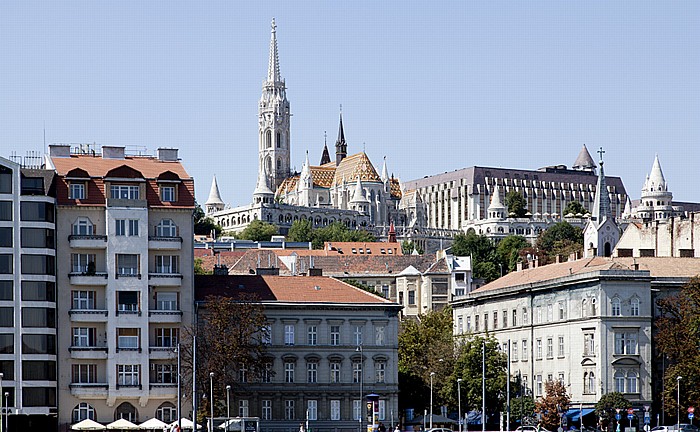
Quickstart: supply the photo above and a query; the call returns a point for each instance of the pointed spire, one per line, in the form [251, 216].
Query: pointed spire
[325, 156]
[214, 195]
[627, 213]
[305, 176]
[273, 68]
[601, 204]
[341, 147]
[496, 199]
[584, 161]
[392, 233]
[262, 187]
[656, 181]
[385, 172]
[359, 194]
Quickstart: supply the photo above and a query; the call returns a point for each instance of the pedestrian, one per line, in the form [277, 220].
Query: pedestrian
[382, 428]
[398, 429]
[301, 427]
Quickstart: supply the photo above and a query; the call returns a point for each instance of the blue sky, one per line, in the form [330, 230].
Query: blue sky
[433, 86]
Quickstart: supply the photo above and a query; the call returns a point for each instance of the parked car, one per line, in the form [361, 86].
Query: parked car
[664, 429]
[530, 429]
[439, 430]
[685, 427]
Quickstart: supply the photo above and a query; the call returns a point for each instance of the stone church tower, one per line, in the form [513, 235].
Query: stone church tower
[273, 117]
[601, 233]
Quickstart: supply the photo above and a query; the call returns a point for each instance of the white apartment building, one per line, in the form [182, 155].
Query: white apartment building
[125, 233]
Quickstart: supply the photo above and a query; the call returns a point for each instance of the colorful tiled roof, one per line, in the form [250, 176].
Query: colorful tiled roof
[395, 188]
[322, 176]
[353, 166]
[299, 289]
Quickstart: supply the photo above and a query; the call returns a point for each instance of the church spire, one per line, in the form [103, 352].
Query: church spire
[325, 156]
[214, 202]
[273, 68]
[341, 147]
[601, 205]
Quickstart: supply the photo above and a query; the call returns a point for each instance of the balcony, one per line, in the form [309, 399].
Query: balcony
[89, 390]
[88, 353]
[165, 316]
[87, 241]
[164, 243]
[162, 353]
[88, 315]
[163, 391]
[97, 278]
[165, 279]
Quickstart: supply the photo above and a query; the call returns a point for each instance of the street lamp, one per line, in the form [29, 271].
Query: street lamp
[459, 402]
[483, 385]
[678, 411]
[361, 372]
[2, 375]
[228, 406]
[179, 390]
[431, 399]
[211, 399]
[7, 404]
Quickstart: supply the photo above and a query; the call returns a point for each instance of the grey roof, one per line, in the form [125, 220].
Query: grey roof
[47, 174]
[584, 159]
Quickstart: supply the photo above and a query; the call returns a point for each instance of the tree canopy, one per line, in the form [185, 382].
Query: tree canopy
[508, 251]
[258, 230]
[605, 409]
[517, 206]
[553, 404]
[561, 238]
[204, 225]
[489, 261]
[574, 208]
[302, 231]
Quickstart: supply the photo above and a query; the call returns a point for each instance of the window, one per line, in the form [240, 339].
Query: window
[312, 409]
[385, 289]
[37, 370]
[36, 344]
[560, 378]
[38, 317]
[166, 412]
[469, 324]
[381, 408]
[243, 374]
[538, 351]
[514, 351]
[495, 319]
[6, 237]
[550, 347]
[167, 193]
[486, 322]
[460, 325]
[243, 408]
[126, 411]
[266, 409]
[335, 409]
[562, 311]
[335, 372]
[504, 315]
[356, 409]
[38, 264]
[37, 238]
[526, 318]
[83, 226]
[358, 335]
[83, 411]
[288, 372]
[632, 382]
[124, 192]
[128, 375]
[538, 314]
[356, 371]
[121, 226]
[267, 372]
[335, 335]
[619, 381]
[634, 308]
[412, 297]
[550, 313]
[7, 290]
[311, 335]
[289, 409]
[538, 381]
[616, 307]
[312, 372]
[7, 342]
[127, 264]
[266, 334]
[133, 227]
[76, 190]
[127, 338]
[83, 263]
[560, 351]
[625, 343]
[524, 357]
[166, 337]
[36, 291]
[380, 371]
[289, 334]
[36, 211]
[7, 317]
[5, 180]
[84, 337]
[166, 228]
[84, 374]
[165, 373]
[5, 210]
[167, 264]
[379, 335]
[127, 301]
[514, 320]
[476, 323]
[588, 344]
[166, 301]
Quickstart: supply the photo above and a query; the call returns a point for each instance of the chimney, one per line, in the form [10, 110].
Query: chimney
[535, 262]
[557, 259]
[315, 271]
[167, 154]
[220, 270]
[112, 152]
[59, 150]
[519, 266]
[267, 271]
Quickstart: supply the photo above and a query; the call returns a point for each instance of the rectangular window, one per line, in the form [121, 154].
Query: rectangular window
[124, 192]
[381, 407]
[311, 335]
[514, 351]
[538, 350]
[166, 337]
[167, 193]
[127, 301]
[539, 385]
[128, 375]
[486, 322]
[380, 372]
[538, 315]
[35, 211]
[411, 297]
[561, 378]
[514, 321]
[562, 311]
[289, 334]
[561, 346]
[524, 350]
[495, 319]
[39, 264]
[127, 264]
[335, 335]
[5, 210]
[550, 313]
[379, 335]
[243, 408]
[267, 373]
[38, 344]
[358, 335]
[356, 371]
[7, 290]
[311, 372]
[460, 325]
[5, 180]
[526, 318]
[127, 338]
[165, 373]
[588, 344]
[76, 190]
[626, 343]
[82, 263]
[38, 291]
[38, 317]
[7, 315]
[166, 301]
[634, 307]
[6, 237]
[7, 344]
[289, 409]
[120, 227]
[550, 348]
[38, 396]
[476, 323]
[167, 264]
[266, 409]
[335, 409]
[288, 372]
[504, 316]
[84, 374]
[335, 372]
[312, 409]
[356, 409]
[133, 227]
[469, 324]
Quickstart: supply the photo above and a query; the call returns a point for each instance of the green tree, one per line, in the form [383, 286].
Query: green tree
[407, 248]
[553, 404]
[508, 251]
[468, 367]
[204, 225]
[522, 407]
[300, 231]
[482, 251]
[258, 231]
[678, 326]
[199, 267]
[517, 206]
[338, 232]
[561, 238]
[574, 208]
[425, 346]
[605, 408]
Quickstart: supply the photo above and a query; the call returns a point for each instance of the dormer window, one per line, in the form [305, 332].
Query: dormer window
[76, 190]
[130, 192]
[167, 193]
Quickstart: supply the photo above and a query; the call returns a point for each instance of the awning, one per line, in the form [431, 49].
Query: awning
[574, 415]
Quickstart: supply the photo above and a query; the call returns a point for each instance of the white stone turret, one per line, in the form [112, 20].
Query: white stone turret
[656, 201]
[359, 201]
[305, 184]
[214, 202]
[496, 209]
[263, 194]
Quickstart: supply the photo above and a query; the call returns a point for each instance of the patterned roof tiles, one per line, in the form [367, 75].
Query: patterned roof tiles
[354, 166]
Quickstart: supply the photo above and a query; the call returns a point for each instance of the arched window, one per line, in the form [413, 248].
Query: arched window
[83, 411]
[268, 139]
[593, 308]
[632, 382]
[585, 383]
[616, 306]
[584, 308]
[591, 382]
[279, 164]
[166, 228]
[268, 164]
[127, 412]
[634, 307]
[279, 140]
[83, 226]
[166, 412]
[620, 382]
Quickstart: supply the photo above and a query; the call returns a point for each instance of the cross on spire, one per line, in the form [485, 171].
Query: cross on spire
[601, 152]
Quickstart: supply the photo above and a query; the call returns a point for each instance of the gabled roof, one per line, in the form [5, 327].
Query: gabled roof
[354, 166]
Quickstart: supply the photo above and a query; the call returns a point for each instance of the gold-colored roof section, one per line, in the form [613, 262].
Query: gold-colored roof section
[353, 166]
[395, 188]
[322, 176]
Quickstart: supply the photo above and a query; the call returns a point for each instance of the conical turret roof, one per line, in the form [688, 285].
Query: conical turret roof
[262, 188]
[359, 194]
[584, 160]
[385, 172]
[656, 181]
[273, 68]
[496, 203]
[214, 195]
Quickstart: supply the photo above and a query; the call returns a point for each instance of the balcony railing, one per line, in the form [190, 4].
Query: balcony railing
[89, 312]
[165, 239]
[88, 348]
[87, 237]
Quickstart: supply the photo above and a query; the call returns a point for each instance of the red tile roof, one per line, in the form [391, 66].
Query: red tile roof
[96, 166]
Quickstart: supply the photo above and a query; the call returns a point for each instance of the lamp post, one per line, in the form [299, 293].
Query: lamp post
[678, 398]
[1, 405]
[459, 402]
[361, 372]
[7, 404]
[211, 400]
[179, 390]
[228, 406]
[431, 399]
[483, 385]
